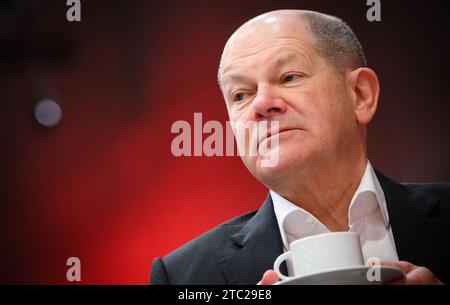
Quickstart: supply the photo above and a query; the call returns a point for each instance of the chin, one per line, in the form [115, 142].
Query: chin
[269, 170]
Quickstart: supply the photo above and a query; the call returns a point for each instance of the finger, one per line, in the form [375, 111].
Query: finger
[421, 276]
[401, 281]
[405, 266]
[416, 275]
[270, 277]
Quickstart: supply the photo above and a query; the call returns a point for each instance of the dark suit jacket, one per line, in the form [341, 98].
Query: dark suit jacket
[242, 249]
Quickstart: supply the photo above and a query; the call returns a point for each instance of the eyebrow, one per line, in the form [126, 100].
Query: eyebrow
[234, 76]
[285, 59]
[277, 63]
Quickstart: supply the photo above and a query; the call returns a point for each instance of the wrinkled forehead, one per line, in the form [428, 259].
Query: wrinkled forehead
[263, 33]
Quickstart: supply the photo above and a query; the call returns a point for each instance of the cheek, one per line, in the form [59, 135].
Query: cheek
[310, 109]
[336, 116]
[303, 104]
[324, 111]
[238, 113]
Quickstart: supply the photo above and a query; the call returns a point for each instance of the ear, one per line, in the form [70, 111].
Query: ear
[364, 92]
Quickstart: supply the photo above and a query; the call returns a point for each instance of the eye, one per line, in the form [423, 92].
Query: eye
[289, 78]
[238, 96]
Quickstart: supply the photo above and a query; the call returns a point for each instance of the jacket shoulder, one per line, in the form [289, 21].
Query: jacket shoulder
[438, 189]
[209, 239]
[198, 261]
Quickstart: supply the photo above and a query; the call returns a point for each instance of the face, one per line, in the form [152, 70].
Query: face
[270, 72]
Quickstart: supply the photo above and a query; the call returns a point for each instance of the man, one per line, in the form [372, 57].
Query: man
[307, 71]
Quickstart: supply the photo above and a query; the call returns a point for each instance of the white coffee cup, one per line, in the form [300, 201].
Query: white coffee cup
[322, 252]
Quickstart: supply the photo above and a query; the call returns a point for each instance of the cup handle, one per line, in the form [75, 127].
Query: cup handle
[276, 266]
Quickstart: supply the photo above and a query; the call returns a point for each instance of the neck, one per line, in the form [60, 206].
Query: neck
[326, 190]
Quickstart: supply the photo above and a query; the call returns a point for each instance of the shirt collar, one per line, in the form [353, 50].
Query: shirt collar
[368, 197]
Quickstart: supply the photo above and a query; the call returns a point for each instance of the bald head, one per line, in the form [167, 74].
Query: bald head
[329, 36]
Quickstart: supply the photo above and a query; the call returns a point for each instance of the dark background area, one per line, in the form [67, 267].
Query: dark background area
[103, 185]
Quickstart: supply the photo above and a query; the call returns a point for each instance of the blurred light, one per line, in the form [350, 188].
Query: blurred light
[47, 112]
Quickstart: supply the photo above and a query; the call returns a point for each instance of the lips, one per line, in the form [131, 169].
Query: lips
[270, 133]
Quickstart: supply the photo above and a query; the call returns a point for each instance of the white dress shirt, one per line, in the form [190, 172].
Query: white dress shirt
[367, 216]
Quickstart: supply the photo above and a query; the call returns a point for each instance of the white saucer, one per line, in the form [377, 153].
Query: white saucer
[347, 276]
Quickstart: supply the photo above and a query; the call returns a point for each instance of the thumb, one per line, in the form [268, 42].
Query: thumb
[270, 277]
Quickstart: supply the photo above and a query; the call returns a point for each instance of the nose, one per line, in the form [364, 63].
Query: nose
[267, 104]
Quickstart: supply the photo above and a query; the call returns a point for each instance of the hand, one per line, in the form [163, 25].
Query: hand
[270, 277]
[414, 275]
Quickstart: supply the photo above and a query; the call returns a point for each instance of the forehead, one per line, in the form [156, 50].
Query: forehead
[260, 43]
[275, 55]
[283, 57]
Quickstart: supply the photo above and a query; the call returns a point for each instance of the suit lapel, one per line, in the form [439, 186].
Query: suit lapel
[256, 246]
[416, 233]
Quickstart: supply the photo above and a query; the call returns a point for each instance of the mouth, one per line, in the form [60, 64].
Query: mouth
[271, 133]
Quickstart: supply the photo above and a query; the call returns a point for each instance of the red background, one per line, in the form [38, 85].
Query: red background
[103, 185]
